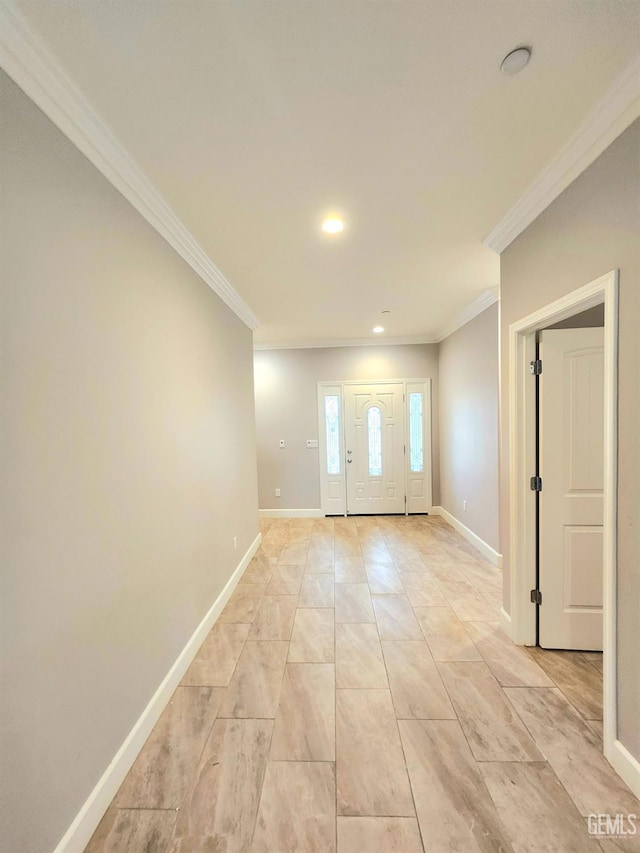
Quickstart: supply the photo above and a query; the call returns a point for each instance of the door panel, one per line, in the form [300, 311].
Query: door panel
[374, 428]
[571, 501]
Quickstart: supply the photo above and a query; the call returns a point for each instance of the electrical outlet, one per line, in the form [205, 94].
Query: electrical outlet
[281, 442]
[464, 505]
[235, 543]
[277, 493]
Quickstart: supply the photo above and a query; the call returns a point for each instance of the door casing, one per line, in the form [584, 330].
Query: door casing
[521, 622]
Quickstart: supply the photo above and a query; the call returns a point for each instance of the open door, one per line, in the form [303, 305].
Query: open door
[571, 465]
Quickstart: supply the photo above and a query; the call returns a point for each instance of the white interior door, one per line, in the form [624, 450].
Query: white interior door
[571, 500]
[374, 431]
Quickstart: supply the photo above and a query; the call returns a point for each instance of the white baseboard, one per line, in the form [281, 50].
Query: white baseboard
[290, 513]
[626, 766]
[79, 833]
[486, 550]
[505, 622]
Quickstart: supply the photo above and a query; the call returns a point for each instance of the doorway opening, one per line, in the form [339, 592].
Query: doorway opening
[375, 447]
[545, 571]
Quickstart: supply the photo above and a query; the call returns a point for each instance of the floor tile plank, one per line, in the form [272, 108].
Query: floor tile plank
[297, 809]
[359, 660]
[164, 768]
[494, 731]
[243, 604]
[455, 811]
[305, 727]
[535, 808]
[312, 639]
[378, 835]
[371, 773]
[383, 578]
[216, 659]
[353, 603]
[131, 830]
[254, 690]
[285, 580]
[572, 748]
[395, 618]
[467, 603]
[511, 665]
[317, 590]
[445, 634]
[274, 619]
[220, 809]
[416, 687]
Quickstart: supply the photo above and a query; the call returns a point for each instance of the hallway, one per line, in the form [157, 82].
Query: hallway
[358, 691]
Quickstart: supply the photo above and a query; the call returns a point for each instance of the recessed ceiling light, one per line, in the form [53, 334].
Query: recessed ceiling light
[333, 225]
[378, 329]
[516, 60]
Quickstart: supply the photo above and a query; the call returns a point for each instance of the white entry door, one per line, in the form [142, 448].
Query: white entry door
[374, 432]
[571, 500]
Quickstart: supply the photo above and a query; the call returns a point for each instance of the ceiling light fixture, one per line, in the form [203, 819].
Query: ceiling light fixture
[378, 329]
[516, 60]
[333, 225]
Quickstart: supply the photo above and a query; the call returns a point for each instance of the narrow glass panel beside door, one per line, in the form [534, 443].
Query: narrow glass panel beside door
[332, 421]
[415, 432]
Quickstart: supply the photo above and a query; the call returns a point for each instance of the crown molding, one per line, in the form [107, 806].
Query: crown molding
[327, 343]
[484, 301]
[32, 67]
[611, 116]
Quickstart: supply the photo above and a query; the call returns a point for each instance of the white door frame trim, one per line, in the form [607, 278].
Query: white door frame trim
[522, 456]
[427, 436]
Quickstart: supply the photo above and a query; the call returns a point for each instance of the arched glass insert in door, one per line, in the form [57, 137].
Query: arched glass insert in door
[374, 432]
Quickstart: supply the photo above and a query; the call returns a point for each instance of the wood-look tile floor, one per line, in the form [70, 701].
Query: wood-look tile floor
[358, 694]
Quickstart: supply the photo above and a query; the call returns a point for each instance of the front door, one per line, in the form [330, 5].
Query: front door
[571, 501]
[374, 431]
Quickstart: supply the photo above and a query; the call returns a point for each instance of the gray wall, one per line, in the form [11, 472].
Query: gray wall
[127, 465]
[592, 228]
[468, 379]
[286, 407]
[592, 318]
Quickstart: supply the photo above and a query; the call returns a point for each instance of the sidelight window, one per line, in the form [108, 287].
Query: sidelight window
[415, 433]
[332, 421]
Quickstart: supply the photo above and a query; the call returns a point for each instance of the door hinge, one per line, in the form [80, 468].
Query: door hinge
[536, 484]
[536, 367]
[536, 596]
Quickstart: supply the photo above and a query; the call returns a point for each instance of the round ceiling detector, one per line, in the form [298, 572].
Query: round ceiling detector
[516, 60]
